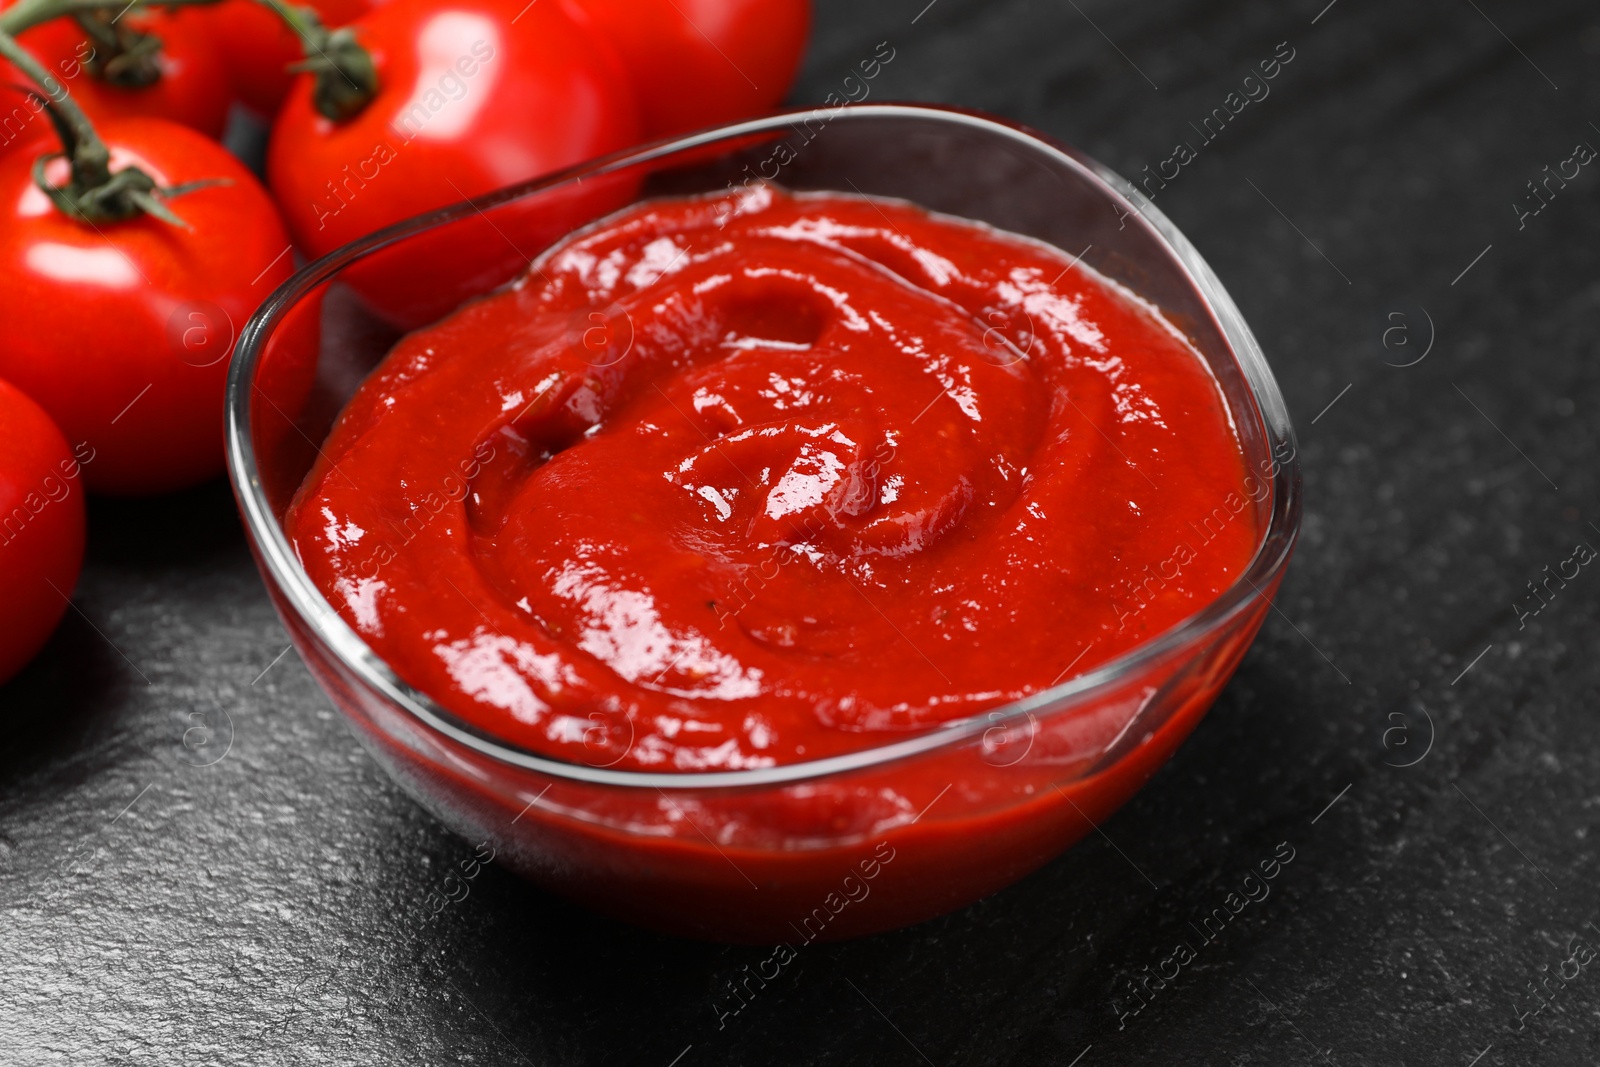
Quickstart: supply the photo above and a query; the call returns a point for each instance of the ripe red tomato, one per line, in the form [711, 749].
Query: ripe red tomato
[122, 330]
[473, 95]
[697, 63]
[22, 118]
[41, 526]
[258, 47]
[191, 83]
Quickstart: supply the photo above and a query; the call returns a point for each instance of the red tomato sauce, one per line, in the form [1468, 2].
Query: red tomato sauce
[741, 481]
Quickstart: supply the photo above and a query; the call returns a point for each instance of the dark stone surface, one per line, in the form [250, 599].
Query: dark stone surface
[154, 911]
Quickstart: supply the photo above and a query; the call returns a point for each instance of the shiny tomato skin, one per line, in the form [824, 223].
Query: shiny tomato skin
[22, 119]
[698, 63]
[258, 47]
[474, 95]
[41, 527]
[193, 88]
[122, 330]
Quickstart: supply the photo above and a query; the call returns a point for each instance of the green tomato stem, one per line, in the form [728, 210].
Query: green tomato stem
[346, 78]
[93, 193]
[304, 23]
[29, 13]
[89, 157]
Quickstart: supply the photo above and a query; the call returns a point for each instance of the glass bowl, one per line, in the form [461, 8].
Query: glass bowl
[835, 847]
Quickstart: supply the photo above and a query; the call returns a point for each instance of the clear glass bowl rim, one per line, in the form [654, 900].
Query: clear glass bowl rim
[295, 586]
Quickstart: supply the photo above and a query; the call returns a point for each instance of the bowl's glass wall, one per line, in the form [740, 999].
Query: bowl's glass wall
[831, 851]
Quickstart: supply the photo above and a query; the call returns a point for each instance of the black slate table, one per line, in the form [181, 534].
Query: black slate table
[199, 865]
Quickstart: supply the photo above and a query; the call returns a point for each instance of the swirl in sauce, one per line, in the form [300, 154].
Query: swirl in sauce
[730, 482]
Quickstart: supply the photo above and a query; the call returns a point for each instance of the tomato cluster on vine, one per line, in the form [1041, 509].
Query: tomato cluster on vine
[134, 245]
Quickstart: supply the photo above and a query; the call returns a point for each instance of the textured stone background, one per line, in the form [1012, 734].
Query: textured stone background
[157, 912]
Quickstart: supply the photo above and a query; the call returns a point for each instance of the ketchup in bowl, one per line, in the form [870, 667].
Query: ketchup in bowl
[781, 567]
[743, 481]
